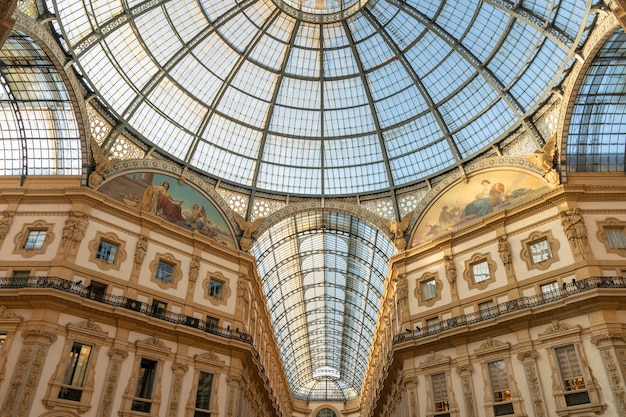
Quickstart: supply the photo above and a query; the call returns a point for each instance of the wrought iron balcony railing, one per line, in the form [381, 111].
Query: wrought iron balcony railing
[80, 290]
[509, 307]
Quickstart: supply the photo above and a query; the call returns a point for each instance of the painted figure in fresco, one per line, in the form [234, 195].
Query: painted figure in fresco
[486, 202]
[158, 200]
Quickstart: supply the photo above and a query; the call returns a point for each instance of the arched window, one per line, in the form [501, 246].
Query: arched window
[39, 133]
[596, 139]
[326, 412]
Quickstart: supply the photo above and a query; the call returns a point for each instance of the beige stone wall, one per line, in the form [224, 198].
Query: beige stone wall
[46, 315]
[589, 313]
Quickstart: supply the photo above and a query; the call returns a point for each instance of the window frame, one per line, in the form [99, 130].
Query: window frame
[559, 334]
[73, 364]
[112, 239]
[602, 236]
[469, 271]
[155, 350]
[419, 289]
[21, 238]
[210, 363]
[226, 291]
[176, 273]
[526, 253]
[86, 333]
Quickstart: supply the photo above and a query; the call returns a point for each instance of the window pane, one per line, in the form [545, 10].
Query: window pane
[106, 251]
[481, 271]
[165, 271]
[77, 367]
[35, 239]
[3, 340]
[215, 288]
[429, 289]
[569, 367]
[499, 381]
[203, 396]
[145, 379]
[540, 251]
[616, 237]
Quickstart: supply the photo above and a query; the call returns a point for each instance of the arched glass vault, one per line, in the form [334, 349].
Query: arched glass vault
[323, 275]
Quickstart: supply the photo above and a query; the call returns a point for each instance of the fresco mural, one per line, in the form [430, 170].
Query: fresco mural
[485, 193]
[179, 204]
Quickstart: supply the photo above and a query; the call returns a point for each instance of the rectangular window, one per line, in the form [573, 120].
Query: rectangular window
[145, 386]
[499, 381]
[486, 310]
[96, 290]
[106, 252]
[165, 271]
[616, 237]
[550, 290]
[433, 325]
[3, 340]
[203, 395]
[159, 309]
[440, 392]
[35, 239]
[540, 250]
[480, 271]
[569, 368]
[215, 288]
[75, 372]
[212, 322]
[429, 289]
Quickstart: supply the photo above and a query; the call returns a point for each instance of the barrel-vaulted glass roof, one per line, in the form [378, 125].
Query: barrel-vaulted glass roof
[323, 275]
[322, 98]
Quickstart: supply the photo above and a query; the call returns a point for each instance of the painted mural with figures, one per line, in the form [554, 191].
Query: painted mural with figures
[484, 193]
[180, 204]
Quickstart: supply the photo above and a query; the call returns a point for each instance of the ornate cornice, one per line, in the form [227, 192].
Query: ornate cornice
[527, 355]
[39, 333]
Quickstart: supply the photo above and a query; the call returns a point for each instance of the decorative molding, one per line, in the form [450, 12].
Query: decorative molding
[179, 370]
[492, 345]
[527, 355]
[120, 253]
[88, 326]
[226, 291]
[6, 314]
[40, 333]
[140, 250]
[435, 359]
[534, 237]
[615, 379]
[468, 273]
[20, 238]
[177, 273]
[5, 223]
[574, 227]
[74, 229]
[428, 276]
[610, 336]
[611, 222]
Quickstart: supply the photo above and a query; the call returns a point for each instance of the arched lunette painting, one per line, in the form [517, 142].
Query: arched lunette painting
[180, 204]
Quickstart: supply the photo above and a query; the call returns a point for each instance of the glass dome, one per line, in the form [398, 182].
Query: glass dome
[325, 97]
